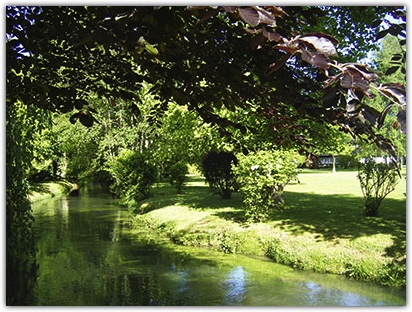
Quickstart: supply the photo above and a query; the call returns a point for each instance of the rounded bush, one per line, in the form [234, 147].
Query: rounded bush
[177, 175]
[262, 177]
[377, 180]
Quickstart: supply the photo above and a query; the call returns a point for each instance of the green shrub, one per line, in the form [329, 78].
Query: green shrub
[133, 176]
[377, 180]
[177, 175]
[262, 177]
[217, 169]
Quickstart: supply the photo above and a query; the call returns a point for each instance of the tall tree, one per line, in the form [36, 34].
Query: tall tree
[21, 123]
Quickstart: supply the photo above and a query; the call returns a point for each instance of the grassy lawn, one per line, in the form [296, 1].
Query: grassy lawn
[322, 229]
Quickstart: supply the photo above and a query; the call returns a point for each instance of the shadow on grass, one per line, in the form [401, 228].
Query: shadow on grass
[334, 216]
[341, 216]
[331, 216]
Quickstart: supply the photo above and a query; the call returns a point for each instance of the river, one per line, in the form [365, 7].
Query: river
[89, 255]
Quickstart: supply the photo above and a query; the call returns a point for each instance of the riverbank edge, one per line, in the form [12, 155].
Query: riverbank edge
[177, 224]
[47, 190]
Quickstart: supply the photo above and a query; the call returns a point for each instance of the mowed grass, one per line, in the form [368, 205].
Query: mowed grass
[322, 228]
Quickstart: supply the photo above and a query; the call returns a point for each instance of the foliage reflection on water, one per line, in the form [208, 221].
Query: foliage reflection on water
[89, 255]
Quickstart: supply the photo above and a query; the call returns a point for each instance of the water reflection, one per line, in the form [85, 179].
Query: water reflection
[234, 287]
[320, 296]
[88, 255]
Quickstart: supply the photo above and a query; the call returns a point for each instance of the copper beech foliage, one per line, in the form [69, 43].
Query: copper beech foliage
[205, 57]
[347, 84]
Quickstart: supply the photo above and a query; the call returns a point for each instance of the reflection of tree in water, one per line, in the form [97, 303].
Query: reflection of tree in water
[234, 287]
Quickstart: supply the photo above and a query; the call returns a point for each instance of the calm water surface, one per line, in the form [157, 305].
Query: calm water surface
[89, 255]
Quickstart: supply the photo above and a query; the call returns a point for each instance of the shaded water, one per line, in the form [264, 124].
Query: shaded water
[89, 255]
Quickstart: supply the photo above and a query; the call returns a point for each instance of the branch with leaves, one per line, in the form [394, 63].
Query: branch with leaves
[345, 89]
[203, 57]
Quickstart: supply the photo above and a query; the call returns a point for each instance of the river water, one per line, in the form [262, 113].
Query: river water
[88, 255]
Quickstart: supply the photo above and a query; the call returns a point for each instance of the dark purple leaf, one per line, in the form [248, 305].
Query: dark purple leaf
[391, 70]
[371, 114]
[322, 43]
[383, 114]
[401, 118]
[257, 42]
[385, 145]
[289, 46]
[366, 71]
[229, 9]
[351, 79]
[274, 36]
[395, 91]
[332, 39]
[135, 110]
[395, 30]
[376, 23]
[331, 98]
[249, 15]
[271, 35]
[321, 61]
[73, 118]
[276, 11]
[396, 57]
[80, 103]
[318, 60]
[382, 34]
[86, 119]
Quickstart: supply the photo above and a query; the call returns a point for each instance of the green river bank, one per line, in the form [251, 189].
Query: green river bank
[47, 190]
[322, 229]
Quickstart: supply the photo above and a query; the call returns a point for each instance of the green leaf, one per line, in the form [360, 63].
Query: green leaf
[151, 49]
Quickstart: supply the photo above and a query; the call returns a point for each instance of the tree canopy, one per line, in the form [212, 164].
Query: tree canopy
[277, 61]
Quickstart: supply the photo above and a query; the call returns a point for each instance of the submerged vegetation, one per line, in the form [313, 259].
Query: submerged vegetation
[321, 229]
